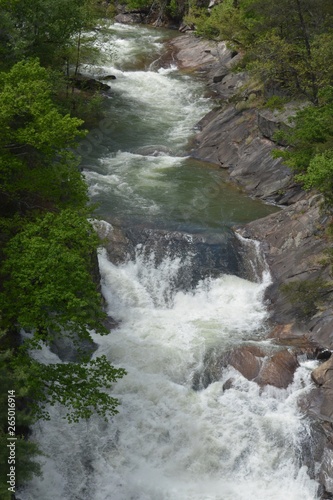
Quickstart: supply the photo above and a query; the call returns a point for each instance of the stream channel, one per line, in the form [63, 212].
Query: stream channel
[188, 288]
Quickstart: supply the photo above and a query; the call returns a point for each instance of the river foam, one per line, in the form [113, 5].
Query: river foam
[170, 442]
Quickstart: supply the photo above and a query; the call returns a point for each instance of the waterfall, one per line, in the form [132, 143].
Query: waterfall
[171, 441]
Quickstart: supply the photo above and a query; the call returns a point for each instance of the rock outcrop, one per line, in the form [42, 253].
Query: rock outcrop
[254, 363]
[239, 137]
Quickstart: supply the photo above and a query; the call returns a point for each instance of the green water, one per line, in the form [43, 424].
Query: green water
[154, 105]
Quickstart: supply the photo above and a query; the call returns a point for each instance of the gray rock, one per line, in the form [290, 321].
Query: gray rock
[272, 121]
[231, 139]
[108, 77]
[88, 84]
[220, 74]
[195, 53]
[70, 349]
[129, 18]
[293, 252]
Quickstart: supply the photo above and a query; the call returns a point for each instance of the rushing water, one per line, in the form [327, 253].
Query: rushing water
[169, 441]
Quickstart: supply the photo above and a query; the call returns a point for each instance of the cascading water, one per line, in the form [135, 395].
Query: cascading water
[169, 441]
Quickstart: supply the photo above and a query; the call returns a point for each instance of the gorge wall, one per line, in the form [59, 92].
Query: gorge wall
[238, 136]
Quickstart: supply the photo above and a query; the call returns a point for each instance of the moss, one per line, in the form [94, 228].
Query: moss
[306, 295]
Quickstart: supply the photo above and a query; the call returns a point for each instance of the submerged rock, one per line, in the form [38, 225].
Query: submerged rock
[202, 254]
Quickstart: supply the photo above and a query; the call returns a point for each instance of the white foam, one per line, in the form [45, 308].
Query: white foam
[170, 442]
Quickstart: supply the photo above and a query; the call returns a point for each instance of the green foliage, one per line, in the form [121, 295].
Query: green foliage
[287, 43]
[311, 141]
[47, 277]
[226, 21]
[319, 175]
[80, 387]
[306, 295]
[139, 4]
[26, 451]
[35, 159]
[43, 28]
[276, 102]
[48, 262]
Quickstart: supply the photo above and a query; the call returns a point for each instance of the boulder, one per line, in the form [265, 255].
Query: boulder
[108, 77]
[272, 121]
[220, 74]
[247, 360]
[129, 18]
[250, 361]
[323, 375]
[89, 84]
[194, 53]
[278, 370]
[115, 241]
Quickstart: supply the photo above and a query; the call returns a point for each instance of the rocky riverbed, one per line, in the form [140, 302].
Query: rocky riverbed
[238, 136]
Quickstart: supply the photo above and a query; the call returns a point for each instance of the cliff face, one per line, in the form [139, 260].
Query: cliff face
[238, 137]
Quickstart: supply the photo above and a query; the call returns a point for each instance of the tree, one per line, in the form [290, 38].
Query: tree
[48, 290]
[35, 160]
[286, 43]
[80, 387]
[311, 145]
[47, 284]
[25, 451]
[43, 28]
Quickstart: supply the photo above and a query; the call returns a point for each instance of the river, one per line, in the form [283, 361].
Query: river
[172, 439]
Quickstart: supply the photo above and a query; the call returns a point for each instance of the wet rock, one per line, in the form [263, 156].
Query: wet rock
[203, 255]
[108, 77]
[228, 384]
[230, 139]
[293, 252]
[129, 18]
[89, 84]
[195, 53]
[253, 362]
[247, 360]
[278, 370]
[119, 248]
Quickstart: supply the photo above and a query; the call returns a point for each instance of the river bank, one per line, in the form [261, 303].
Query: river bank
[237, 136]
[186, 294]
